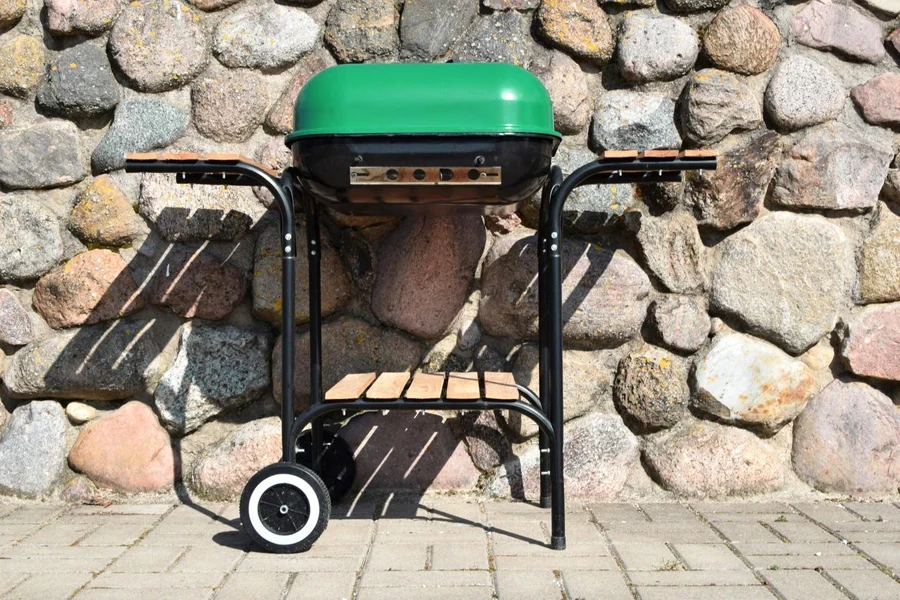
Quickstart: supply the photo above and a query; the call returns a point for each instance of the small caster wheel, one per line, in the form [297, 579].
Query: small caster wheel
[338, 466]
[285, 508]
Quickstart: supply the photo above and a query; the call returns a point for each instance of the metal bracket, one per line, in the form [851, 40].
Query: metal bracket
[425, 176]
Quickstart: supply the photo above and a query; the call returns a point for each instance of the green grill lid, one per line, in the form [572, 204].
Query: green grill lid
[423, 99]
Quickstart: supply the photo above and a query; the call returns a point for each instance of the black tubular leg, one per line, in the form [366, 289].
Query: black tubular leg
[288, 260]
[553, 310]
[314, 253]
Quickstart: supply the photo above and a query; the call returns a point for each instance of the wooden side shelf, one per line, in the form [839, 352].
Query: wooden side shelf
[454, 387]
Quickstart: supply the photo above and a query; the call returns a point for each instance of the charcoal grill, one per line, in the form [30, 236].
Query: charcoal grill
[400, 139]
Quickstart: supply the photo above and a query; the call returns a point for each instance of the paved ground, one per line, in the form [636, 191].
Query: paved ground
[457, 549]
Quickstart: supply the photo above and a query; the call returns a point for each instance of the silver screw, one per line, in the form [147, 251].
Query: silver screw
[288, 237]
[553, 248]
[554, 235]
[287, 249]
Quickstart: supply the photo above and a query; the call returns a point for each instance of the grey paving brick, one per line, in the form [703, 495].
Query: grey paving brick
[530, 585]
[213, 560]
[441, 593]
[608, 513]
[41, 564]
[706, 593]
[64, 552]
[241, 586]
[514, 546]
[574, 563]
[115, 534]
[398, 557]
[148, 559]
[61, 585]
[61, 533]
[668, 512]
[133, 581]
[709, 556]
[886, 554]
[741, 507]
[10, 580]
[141, 594]
[671, 535]
[826, 512]
[871, 537]
[594, 585]
[122, 509]
[18, 531]
[867, 526]
[310, 586]
[425, 579]
[802, 532]
[840, 561]
[458, 557]
[745, 531]
[34, 514]
[692, 578]
[801, 585]
[647, 556]
[875, 511]
[834, 548]
[867, 585]
[289, 563]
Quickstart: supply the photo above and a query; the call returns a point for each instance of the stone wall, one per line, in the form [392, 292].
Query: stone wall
[735, 335]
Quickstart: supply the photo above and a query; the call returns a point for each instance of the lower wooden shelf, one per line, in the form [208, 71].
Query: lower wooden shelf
[456, 387]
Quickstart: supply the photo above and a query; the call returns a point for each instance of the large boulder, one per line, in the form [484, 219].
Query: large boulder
[846, 441]
[44, 155]
[734, 193]
[578, 27]
[605, 293]
[708, 460]
[655, 47]
[126, 450]
[336, 288]
[879, 100]
[22, 64]
[679, 322]
[159, 45]
[10, 12]
[264, 36]
[103, 215]
[404, 450]
[429, 27]
[714, 104]
[229, 106]
[73, 17]
[803, 92]
[786, 276]
[742, 39]
[824, 25]
[16, 328]
[879, 277]
[30, 240]
[651, 387]
[223, 471]
[693, 6]
[599, 452]
[94, 286]
[871, 341]
[122, 363]
[425, 268]
[33, 450]
[184, 213]
[139, 125]
[281, 116]
[217, 368]
[741, 379]
[568, 89]
[363, 30]
[349, 345]
[629, 120]
[816, 172]
[79, 83]
[672, 250]
[498, 37]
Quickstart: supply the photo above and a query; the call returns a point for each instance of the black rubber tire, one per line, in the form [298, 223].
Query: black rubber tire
[285, 508]
[338, 466]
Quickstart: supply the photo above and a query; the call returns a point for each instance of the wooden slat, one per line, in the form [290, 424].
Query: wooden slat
[463, 386]
[660, 153]
[388, 386]
[702, 153]
[620, 154]
[350, 387]
[500, 386]
[426, 386]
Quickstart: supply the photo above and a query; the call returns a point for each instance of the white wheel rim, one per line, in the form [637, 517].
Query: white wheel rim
[260, 527]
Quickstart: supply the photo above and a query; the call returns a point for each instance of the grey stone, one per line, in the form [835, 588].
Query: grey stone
[716, 103]
[217, 368]
[264, 36]
[159, 45]
[499, 37]
[429, 27]
[803, 92]
[846, 440]
[103, 215]
[425, 268]
[481, 432]
[679, 322]
[139, 125]
[604, 291]
[203, 212]
[79, 83]
[577, 27]
[363, 30]
[891, 189]
[599, 453]
[30, 239]
[627, 120]
[11, 12]
[224, 470]
[786, 276]
[74, 17]
[708, 460]
[22, 64]
[230, 106]
[742, 39]
[587, 386]
[591, 208]
[879, 277]
[349, 345]
[672, 250]
[832, 167]
[652, 387]
[741, 379]
[568, 89]
[15, 324]
[44, 155]
[693, 6]
[121, 363]
[655, 47]
[267, 299]
[33, 450]
[734, 193]
[870, 340]
[825, 25]
[512, 4]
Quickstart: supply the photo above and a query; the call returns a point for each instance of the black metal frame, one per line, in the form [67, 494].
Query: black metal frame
[544, 408]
